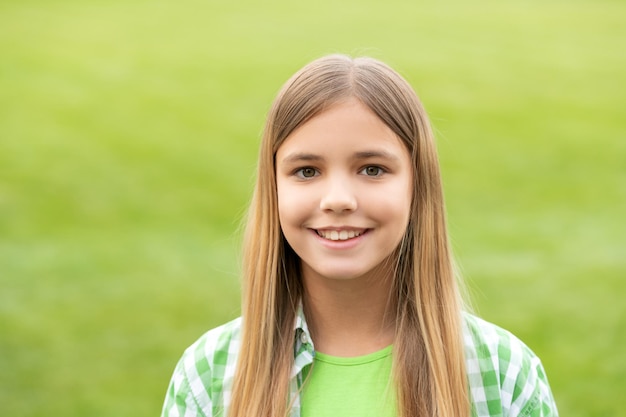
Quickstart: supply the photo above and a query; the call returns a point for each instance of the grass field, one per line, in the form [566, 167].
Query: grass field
[128, 135]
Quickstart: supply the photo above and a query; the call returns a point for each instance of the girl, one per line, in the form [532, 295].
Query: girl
[350, 305]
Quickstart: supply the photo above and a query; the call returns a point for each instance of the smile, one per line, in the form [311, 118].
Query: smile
[339, 234]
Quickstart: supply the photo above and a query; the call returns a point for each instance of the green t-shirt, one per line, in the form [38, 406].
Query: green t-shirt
[359, 386]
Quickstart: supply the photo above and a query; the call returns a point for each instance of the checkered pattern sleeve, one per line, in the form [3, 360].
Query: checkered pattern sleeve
[179, 401]
[202, 381]
[506, 378]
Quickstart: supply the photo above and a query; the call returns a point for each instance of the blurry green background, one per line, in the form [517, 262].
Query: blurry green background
[128, 139]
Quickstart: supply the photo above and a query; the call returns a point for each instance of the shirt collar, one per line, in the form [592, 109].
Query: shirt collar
[303, 348]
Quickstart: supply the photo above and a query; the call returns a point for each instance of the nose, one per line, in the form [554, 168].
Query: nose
[339, 196]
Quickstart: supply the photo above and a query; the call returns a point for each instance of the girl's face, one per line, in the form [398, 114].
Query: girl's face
[344, 184]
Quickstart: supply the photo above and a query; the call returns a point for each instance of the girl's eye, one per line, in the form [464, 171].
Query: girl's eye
[306, 172]
[372, 171]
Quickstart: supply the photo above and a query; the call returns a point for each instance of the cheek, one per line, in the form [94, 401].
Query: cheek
[290, 205]
[396, 207]
[283, 202]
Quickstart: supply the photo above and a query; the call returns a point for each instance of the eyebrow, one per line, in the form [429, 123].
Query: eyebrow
[310, 157]
[301, 156]
[375, 154]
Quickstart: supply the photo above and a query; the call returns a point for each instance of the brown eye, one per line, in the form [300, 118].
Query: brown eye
[306, 172]
[372, 171]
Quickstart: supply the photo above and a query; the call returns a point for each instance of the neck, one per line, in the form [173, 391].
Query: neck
[349, 317]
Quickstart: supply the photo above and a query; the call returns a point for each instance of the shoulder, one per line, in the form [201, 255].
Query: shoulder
[215, 345]
[204, 373]
[505, 376]
[487, 338]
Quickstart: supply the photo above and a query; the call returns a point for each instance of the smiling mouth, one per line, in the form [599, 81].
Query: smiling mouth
[339, 234]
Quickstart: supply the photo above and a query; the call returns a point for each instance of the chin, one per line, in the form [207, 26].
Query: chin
[341, 274]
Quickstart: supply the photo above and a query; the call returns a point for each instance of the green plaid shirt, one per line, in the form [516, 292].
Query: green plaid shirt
[505, 377]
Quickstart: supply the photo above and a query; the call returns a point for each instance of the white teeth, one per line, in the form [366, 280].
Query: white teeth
[338, 235]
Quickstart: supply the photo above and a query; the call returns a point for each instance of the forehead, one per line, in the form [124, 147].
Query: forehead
[346, 125]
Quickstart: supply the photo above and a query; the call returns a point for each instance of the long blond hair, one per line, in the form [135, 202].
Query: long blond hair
[428, 362]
